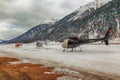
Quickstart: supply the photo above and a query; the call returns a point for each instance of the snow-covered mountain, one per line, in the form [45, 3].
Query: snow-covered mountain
[1, 40]
[91, 19]
[87, 9]
[31, 35]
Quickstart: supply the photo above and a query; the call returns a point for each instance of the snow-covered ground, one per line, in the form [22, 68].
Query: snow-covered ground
[94, 58]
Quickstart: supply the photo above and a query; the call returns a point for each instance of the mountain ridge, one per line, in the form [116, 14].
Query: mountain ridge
[78, 25]
[93, 21]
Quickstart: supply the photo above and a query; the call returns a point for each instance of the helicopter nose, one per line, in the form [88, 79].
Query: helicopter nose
[65, 43]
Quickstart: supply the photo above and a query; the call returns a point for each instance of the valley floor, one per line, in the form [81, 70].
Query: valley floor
[100, 60]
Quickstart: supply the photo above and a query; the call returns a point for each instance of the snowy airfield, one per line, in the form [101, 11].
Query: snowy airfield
[95, 59]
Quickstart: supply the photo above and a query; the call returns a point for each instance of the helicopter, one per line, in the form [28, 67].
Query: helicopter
[74, 41]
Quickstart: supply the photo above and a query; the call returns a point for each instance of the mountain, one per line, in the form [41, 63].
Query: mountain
[31, 35]
[89, 21]
[1, 40]
[87, 9]
[92, 19]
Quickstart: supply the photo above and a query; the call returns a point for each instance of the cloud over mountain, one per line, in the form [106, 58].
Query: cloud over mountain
[28, 13]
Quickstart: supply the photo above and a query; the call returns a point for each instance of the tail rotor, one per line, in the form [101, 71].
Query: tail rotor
[107, 36]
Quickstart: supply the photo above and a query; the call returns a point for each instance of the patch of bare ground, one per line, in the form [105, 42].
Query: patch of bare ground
[24, 71]
[12, 69]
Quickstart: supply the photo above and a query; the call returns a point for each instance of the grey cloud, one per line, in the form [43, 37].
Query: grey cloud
[10, 34]
[39, 12]
[67, 5]
[27, 17]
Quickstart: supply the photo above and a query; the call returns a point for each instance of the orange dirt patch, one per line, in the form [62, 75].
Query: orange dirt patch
[25, 71]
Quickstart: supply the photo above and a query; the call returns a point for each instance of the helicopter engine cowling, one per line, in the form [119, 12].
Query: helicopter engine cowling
[65, 43]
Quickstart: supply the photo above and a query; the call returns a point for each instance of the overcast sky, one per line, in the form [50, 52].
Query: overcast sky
[18, 16]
